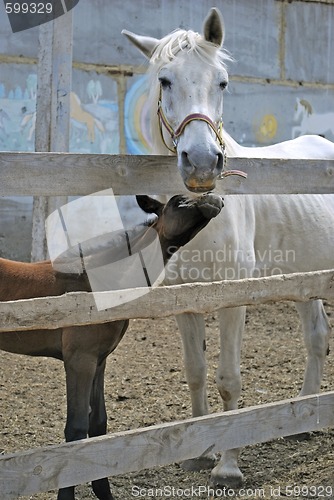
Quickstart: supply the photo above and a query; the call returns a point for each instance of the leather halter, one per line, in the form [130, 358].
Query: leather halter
[176, 134]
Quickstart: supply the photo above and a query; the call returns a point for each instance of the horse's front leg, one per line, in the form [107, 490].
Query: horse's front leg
[192, 329]
[232, 322]
[316, 331]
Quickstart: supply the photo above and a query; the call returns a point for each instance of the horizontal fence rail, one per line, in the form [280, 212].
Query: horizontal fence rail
[78, 308]
[78, 462]
[70, 174]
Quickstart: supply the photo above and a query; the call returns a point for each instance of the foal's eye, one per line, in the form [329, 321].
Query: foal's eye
[165, 83]
[223, 85]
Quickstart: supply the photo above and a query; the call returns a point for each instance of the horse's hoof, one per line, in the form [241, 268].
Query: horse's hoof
[198, 464]
[229, 479]
[233, 483]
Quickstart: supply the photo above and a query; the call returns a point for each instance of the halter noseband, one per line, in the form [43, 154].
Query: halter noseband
[176, 134]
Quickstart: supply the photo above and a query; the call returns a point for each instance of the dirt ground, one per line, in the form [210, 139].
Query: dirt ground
[145, 384]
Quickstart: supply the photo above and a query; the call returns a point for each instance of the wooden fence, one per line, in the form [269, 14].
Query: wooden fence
[73, 463]
[81, 461]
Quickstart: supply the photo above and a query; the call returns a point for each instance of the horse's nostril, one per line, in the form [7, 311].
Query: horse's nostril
[220, 162]
[186, 163]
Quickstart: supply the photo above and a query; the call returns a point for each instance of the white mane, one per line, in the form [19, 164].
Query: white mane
[189, 41]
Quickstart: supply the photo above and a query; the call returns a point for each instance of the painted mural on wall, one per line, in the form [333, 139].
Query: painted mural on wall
[310, 122]
[94, 120]
[94, 115]
[306, 120]
[267, 128]
[136, 111]
[17, 115]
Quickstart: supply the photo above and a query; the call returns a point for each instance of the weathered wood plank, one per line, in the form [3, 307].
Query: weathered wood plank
[82, 461]
[65, 174]
[79, 308]
[52, 112]
[42, 134]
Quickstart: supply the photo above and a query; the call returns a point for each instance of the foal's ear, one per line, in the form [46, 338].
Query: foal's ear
[146, 44]
[150, 205]
[213, 28]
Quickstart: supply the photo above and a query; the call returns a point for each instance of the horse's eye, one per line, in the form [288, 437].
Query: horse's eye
[165, 83]
[223, 85]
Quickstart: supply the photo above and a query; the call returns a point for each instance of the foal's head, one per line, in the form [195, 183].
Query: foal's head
[178, 222]
[180, 219]
[188, 76]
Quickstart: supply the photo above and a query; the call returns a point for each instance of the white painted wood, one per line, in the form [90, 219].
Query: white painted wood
[63, 174]
[78, 308]
[82, 461]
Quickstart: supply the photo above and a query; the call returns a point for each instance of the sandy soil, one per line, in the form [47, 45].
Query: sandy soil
[145, 384]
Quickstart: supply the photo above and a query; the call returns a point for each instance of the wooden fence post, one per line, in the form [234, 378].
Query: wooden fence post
[52, 112]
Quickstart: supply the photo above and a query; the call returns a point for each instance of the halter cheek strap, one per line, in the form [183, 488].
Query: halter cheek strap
[175, 134]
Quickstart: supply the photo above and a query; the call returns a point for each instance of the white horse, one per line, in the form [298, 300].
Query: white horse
[188, 76]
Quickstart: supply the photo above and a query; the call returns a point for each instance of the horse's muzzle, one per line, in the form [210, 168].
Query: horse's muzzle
[200, 171]
[195, 187]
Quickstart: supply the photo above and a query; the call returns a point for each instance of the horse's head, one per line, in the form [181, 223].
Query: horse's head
[180, 219]
[188, 78]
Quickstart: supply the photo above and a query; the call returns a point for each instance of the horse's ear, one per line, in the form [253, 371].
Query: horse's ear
[150, 205]
[146, 44]
[213, 28]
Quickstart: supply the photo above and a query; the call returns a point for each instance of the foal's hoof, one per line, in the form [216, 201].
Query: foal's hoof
[303, 436]
[210, 205]
[198, 464]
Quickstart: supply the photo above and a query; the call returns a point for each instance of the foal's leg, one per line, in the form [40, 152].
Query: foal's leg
[106, 336]
[316, 331]
[98, 425]
[192, 329]
[228, 379]
[80, 367]
[98, 413]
